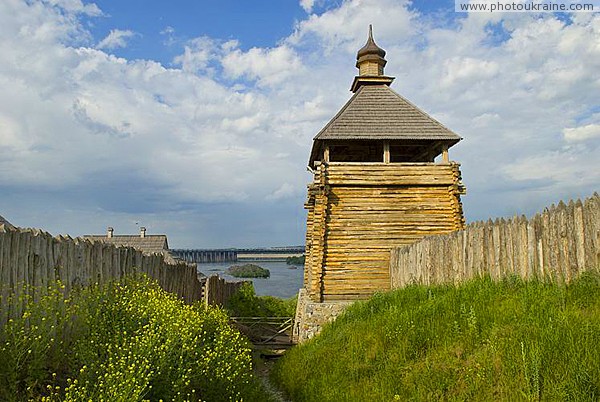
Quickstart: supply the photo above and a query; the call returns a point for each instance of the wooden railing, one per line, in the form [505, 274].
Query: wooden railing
[266, 332]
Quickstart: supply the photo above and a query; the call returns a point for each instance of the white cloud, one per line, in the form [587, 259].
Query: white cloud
[77, 6]
[559, 170]
[467, 70]
[342, 29]
[197, 55]
[307, 5]
[486, 119]
[582, 133]
[117, 38]
[285, 191]
[169, 36]
[268, 66]
[10, 128]
[121, 137]
[169, 30]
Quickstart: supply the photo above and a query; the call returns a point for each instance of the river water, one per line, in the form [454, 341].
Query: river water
[284, 281]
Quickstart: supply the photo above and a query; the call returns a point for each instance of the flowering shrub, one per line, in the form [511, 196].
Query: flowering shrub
[31, 347]
[125, 341]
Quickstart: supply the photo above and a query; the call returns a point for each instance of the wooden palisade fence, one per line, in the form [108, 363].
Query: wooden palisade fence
[557, 244]
[30, 259]
[217, 290]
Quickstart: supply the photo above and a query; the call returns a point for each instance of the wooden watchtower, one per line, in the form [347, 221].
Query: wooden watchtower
[376, 185]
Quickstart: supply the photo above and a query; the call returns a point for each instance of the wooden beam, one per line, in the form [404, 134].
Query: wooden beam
[386, 152]
[326, 153]
[427, 153]
[445, 157]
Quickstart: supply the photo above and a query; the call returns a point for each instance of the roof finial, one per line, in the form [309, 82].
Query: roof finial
[370, 62]
[370, 55]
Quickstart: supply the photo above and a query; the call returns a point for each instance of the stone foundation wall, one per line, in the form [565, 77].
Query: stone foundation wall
[311, 316]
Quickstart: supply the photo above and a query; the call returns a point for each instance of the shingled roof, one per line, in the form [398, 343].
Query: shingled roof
[376, 112]
[147, 243]
[5, 222]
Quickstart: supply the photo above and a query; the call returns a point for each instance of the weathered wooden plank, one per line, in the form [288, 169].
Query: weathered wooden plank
[579, 231]
[556, 245]
[14, 268]
[5, 289]
[31, 259]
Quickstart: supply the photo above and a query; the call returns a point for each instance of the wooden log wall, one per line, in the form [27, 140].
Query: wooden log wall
[30, 259]
[357, 212]
[557, 244]
[217, 290]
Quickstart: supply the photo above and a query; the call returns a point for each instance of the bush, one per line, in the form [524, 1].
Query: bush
[245, 303]
[33, 345]
[295, 260]
[248, 271]
[124, 341]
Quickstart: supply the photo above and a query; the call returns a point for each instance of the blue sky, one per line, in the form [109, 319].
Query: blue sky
[161, 30]
[196, 118]
[253, 23]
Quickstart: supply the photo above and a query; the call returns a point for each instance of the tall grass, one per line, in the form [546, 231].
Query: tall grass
[481, 341]
[123, 341]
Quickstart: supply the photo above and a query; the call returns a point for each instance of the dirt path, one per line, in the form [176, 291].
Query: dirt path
[263, 369]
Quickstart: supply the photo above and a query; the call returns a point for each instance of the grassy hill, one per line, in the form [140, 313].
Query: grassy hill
[481, 341]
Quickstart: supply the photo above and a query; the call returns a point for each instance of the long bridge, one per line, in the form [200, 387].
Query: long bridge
[238, 254]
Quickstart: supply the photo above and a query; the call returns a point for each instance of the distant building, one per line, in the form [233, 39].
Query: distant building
[147, 243]
[5, 222]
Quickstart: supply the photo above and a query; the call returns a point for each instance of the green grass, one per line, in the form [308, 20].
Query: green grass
[124, 341]
[245, 303]
[481, 341]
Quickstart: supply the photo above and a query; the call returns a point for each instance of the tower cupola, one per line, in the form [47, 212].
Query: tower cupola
[370, 61]
[370, 58]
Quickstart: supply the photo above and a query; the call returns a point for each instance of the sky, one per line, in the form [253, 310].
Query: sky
[195, 118]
